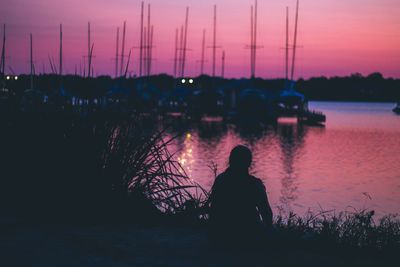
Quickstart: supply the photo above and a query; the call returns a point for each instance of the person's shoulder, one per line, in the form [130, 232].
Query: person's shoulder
[257, 181]
[220, 177]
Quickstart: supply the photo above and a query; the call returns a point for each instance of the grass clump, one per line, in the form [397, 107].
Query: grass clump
[141, 165]
[97, 165]
[344, 230]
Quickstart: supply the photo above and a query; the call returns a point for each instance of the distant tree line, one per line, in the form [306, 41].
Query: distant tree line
[356, 87]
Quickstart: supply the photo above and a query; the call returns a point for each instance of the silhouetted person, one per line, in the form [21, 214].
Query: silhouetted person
[239, 209]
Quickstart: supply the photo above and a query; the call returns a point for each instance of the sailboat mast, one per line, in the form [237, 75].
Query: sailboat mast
[255, 39]
[141, 41]
[61, 51]
[148, 40]
[88, 55]
[295, 41]
[180, 60]
[90, 62]
[123, 49]
[51, 66]
[203, 47]
[251, 42]
[127, 64]
[145, 51]
[150, 49]
[31, 60]
[287, 45]
[116, 54]
[3, 52]
[84, 67]
[185, 41]
[176, 50]
[223, 65]
[214, 40]
[54, 66]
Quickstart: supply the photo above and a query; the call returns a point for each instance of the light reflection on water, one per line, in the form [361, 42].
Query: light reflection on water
[339, 166]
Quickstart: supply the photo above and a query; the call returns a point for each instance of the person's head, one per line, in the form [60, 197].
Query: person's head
[240, 158]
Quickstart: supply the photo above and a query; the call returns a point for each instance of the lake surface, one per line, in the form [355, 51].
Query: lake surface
[351, 163]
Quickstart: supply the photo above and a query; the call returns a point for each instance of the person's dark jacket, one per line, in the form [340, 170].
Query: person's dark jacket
[238, 204]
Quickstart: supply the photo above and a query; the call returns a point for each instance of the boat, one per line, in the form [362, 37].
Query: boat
[396, 109]
[206, 102]
[7, 99]
[291, 102]
[312, 117]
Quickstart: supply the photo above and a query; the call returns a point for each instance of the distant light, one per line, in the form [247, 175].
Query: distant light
[188, 135]
[190, 80]
[16, 78]
[8, 77]
[183, 81]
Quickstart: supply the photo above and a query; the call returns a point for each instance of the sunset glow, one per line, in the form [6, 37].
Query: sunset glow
[336, 37]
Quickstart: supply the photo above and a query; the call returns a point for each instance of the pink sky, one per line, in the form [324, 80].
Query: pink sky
[337, 37]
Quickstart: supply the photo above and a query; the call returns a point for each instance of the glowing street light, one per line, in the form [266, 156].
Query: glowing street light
[16, 78]
[190, 80]
[183, 81]
[8, 77]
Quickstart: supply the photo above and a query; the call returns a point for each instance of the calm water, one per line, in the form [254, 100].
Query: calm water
[353, 162]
